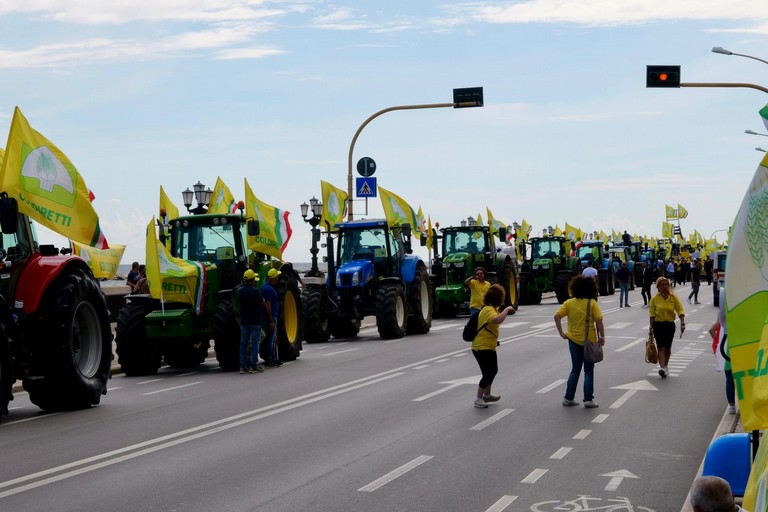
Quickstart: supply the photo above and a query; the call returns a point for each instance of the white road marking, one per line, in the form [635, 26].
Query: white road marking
[392, 475]
[493, 419]
[451, 385]
[349, 350]
[421, 366]
[534, 476]
[187, 374]
[632, 388]
[171, 389]
[600, 418]
[47, 415]
[509, 325]
[444, 360]
[463, 354]
[617, 325]
[158, 380]
[630, 345]
[394, 341]
[582, 434]
[442, 326]
[545, 325]
[502, 504]
[552, 386]
[562, 452]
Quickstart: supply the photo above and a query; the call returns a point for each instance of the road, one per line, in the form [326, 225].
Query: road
[372, 425]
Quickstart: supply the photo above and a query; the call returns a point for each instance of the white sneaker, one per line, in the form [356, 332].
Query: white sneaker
[663, 373]
[590, 404]
[480, 404]
[569, 403]
[731, 409]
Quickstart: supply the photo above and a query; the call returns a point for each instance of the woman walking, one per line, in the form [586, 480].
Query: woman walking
[486, 341]
[584, 295]
[662, 310]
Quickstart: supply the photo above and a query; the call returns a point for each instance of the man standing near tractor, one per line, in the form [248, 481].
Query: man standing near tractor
[269, 292]
[251, 307]
[478, 287]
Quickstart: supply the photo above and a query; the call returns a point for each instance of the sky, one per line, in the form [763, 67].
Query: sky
[144, 93]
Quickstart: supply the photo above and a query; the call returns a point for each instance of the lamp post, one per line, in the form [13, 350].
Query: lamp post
[462, 98]
[761, 149]
[317, 211]
[751, 132]
[723, 51]
[201, 195]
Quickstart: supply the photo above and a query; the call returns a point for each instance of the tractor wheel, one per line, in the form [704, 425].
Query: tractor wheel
[508, 279]
[344, 327]
[226, 337]
[316, 324]
[73, 318]
[419, 303]
[184, 353]
[561, 287]
[391, 314]
[289, 325]
[136, 354]
[603, 282]
[6, 372]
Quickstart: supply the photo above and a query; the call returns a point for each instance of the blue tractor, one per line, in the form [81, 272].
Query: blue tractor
[594, 251]
[371, 272]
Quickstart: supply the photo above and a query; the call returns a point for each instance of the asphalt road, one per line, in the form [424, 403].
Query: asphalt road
[374, 425]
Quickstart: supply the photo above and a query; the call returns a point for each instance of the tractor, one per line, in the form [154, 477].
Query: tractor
[54, 324]
[718, 273]
[371, 272]
[548, 269]
[465, 248]
[594, 251]
[151, 330]
[623, 253]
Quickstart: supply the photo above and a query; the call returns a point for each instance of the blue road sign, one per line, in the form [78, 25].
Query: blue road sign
[366, 187]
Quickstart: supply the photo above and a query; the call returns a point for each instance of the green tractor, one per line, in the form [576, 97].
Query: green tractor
[465, 248]
[548, 269]
[149, 331]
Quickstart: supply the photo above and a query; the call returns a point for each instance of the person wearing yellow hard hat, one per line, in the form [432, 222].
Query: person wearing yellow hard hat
[251, 307]
[271, 304]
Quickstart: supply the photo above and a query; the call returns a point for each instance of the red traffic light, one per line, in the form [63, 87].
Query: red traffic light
[662, 76]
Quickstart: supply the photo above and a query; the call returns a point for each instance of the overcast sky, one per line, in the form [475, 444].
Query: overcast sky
[143, 93]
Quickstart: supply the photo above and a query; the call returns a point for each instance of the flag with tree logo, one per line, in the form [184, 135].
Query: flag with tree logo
[222, 200]
[396, 210]
[102, 262]
[334, 205]
[47, 186]
[681, 212]
[671, 212]
[274, 227]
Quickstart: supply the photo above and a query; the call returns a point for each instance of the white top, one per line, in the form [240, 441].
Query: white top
[589, 272]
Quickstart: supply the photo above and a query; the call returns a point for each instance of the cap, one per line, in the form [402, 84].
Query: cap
[273, 272]
[249, 274]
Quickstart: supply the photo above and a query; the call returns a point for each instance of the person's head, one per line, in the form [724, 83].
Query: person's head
[273, 274]
[143, 270]
[663, 286]
[589, 263]
[583, 287]
[135, 266]
[712, 494]
[494, 296]
[645, 264]
[250, 277]
[480, 273]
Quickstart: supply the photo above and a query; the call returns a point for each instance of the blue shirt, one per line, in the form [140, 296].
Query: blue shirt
[270, 295]
[251, 304]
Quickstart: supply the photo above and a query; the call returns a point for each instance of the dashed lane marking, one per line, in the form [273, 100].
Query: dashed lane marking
[502, 504]
[493, 419]
[552, 386]
[582, 434]
[534, 476]
[392, 475]
[562, 452]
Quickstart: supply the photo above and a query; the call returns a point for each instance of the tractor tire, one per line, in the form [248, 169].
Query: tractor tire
[6, 372]
[136, 354]
[603, 282]
[75, 366]
[561, 287]
[419, 303]
[317, 328]
[344, 327]
[226, 337]
[508, 279]
[391, 314]
[290, 332]
[184, 352]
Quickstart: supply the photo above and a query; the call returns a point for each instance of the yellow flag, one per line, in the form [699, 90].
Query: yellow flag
[334, 205]
[420, 229]
[571, 233]
[558, 231]
[102, 262]
[274, 228]
[681, 212]
[47, 185]
[167, 205]
[222, 200]
[494, 226]
[671, 213]
[396, 210]
[666, 229]
[430, 235]
[173, 279]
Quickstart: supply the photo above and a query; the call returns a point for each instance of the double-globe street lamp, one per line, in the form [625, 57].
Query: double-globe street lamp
[317, 212]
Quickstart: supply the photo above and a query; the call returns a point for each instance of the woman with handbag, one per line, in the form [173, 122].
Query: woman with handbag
[662, 310]
[585, 323]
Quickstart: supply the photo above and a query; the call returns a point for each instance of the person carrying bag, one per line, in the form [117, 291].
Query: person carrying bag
[585, 321]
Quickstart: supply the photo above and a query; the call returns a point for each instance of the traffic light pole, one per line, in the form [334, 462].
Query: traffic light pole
[716, 84]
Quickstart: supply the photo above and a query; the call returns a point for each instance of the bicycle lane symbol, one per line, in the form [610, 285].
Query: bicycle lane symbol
[582, 504]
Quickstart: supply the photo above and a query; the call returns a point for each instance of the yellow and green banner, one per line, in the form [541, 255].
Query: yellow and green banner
[396, 210]
[167, 206]
[47, 186]
[274, 228]
[334, 205]
[102, 262]
[222, 200]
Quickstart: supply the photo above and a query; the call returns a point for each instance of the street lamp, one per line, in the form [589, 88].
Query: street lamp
[201, 195]
[462, 98]
[471, 222]
[463, 223]
[750, 132]
[551, 230]
[761, 149]
[317, 212]
[723, 51]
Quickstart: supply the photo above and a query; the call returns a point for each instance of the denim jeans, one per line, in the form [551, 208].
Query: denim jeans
[694, 291]
[249, 334]
[730, 387]
[269, 339]
[577, 361]
[624, 294]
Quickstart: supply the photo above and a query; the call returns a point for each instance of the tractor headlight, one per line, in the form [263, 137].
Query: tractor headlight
[338, 280]
[446, 264]
[459, 264]
[356, 279]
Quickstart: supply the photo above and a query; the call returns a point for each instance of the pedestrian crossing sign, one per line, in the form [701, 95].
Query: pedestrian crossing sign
[366, 187]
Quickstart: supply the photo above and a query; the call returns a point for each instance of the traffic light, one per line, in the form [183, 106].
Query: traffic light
[662, 76]
[677, 230]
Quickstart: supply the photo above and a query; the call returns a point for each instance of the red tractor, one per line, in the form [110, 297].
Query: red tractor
[54, 325]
